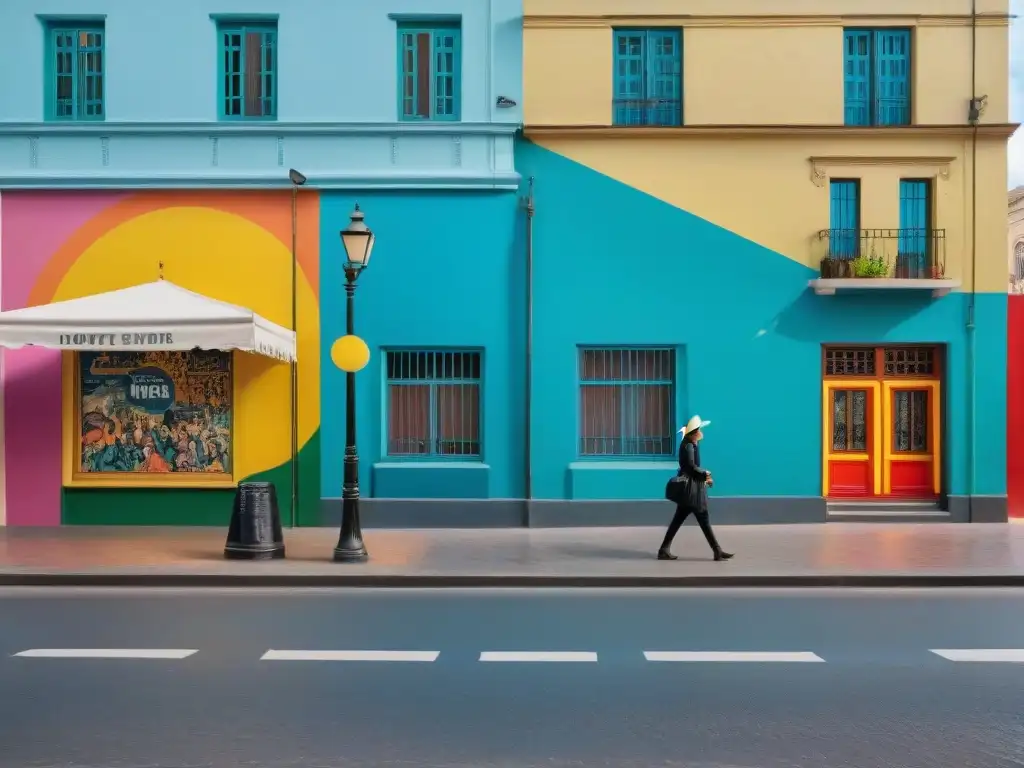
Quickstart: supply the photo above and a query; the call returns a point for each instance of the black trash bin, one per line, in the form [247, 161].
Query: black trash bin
[255, 530]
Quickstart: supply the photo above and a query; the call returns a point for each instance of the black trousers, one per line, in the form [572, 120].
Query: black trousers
[702, 520]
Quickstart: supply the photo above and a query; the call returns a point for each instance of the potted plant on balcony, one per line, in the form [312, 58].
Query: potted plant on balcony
[870, 266]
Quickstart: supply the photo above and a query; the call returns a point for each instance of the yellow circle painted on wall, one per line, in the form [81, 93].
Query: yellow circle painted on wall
[232, 259]
[350, 353]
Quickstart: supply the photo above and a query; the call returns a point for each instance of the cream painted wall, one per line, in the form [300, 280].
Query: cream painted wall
[782, 69]
[762, 188]
[697, 8]
[563, 64]
[735, 76]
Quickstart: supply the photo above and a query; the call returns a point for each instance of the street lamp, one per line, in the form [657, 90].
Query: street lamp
[358, 242]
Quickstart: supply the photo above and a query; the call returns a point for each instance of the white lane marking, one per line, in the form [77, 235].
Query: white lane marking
[733, 656]
[107, 653]
[538, 656]
[276, 655]
[1005, 655]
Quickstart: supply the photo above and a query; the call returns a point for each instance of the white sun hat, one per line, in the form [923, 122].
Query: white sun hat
[693, 425]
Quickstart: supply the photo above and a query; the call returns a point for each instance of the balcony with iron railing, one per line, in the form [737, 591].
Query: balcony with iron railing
[647, 113]
[911, 258]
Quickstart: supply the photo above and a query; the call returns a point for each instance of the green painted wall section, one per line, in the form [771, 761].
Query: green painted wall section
[195, 506]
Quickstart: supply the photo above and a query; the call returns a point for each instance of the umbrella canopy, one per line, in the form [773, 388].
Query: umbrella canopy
[152, 316]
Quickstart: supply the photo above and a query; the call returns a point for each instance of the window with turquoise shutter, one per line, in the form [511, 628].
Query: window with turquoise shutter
[876, 77]
[844, 219]
[247, 77]
[648, 65]
[430, 67]
[915, 236]
[75, 71]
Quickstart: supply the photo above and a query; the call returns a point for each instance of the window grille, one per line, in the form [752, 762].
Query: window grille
[627, 399]
[909, 361]
[433, 403]
[849, 361]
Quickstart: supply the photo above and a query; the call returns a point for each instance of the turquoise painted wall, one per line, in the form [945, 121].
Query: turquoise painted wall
[614, 266]
[447, 272]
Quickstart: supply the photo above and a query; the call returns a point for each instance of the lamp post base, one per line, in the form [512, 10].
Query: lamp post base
[350, 552]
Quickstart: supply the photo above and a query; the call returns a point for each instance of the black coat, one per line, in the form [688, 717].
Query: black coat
[695, 491]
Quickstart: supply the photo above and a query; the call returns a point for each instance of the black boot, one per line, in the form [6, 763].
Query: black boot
[664, 554]
[722, 555]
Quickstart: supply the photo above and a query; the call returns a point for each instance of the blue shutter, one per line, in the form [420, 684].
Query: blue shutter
[265, 81]
[912, 249]
[892, 77]
[844, 220]
[446, 70]
[664, 69]
[629, 78]
[857, 77]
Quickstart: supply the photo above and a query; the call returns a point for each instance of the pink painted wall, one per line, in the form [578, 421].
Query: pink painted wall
[35, 225]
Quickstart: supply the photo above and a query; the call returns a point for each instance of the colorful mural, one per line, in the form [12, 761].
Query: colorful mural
[232, 246]
[155, 412]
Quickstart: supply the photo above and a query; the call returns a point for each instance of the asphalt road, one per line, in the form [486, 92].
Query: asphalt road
[815, 679]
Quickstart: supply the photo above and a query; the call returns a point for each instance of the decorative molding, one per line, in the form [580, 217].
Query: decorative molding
[599, 21]
[267, 128]
[986, 130]
[820, 165]
[407, 160]
[496, 181]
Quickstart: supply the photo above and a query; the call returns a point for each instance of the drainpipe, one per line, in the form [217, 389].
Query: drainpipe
[294, 368]
[973, 116]
[528, 394]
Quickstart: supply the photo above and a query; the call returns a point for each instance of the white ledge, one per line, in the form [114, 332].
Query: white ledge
[829, 286]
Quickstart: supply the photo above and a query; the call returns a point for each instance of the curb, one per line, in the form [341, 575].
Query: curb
[395, 581]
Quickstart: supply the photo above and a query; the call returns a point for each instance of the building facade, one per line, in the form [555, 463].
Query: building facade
[787, 221]
[114, 173]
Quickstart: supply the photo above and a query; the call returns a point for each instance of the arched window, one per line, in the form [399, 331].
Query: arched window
[1018, 262]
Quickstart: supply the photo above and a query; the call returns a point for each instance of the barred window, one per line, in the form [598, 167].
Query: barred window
[627, 399]
[849, 361]
[910, 361]
[433, 402]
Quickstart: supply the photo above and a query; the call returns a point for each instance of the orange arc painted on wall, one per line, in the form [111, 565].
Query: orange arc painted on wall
[235, 247]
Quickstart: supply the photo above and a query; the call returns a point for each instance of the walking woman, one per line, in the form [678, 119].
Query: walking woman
[693, 492]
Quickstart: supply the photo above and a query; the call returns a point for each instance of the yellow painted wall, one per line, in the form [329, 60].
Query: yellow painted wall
[742, 66]
[762, 188]
[716, 8]
[742, 75]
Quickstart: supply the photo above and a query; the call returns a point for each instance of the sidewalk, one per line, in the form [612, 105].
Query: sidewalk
[853, 554]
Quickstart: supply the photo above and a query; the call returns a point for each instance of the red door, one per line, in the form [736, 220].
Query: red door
[850, 450]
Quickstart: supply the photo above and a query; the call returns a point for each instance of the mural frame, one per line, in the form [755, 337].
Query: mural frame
[71, 418]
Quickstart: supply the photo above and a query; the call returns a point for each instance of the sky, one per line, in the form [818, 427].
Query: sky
[1016, 148]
